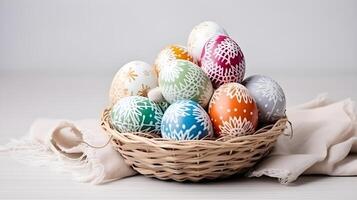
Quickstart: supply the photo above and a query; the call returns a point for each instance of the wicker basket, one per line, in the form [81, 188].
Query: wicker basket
[192, 160]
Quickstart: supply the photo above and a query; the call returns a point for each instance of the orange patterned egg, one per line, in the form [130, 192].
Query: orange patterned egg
[233, 110]
[169, 54]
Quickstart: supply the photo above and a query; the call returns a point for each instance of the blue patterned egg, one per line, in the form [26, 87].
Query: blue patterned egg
[186, 120]
[269, 97]
[136, 114]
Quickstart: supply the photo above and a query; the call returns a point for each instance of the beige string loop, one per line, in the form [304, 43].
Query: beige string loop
[291, 130]
[97, 147]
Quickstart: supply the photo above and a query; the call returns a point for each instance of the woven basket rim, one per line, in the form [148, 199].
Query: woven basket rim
[192, 160]
[265, 131]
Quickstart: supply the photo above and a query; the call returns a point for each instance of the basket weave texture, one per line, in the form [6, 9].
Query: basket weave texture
[192, 160]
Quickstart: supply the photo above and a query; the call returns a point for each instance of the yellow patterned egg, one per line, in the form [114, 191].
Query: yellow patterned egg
[169, 54]
[134, 78]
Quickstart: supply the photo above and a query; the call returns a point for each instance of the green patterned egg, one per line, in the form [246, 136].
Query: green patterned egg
[136, 114]
[183, 79]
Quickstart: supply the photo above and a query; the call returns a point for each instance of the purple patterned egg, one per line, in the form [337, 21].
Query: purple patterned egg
[269, 96]
[222, 60]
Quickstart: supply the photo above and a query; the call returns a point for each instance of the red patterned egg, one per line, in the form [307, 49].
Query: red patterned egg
[223, 60]
[233, 110]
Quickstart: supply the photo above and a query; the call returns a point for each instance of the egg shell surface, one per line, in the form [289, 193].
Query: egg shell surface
[200, 35]
[185, 80]
[233, 111]
[134, 78]
[223, 60]
[186, 120]
[169, 54]
[136, 114]
[269, 97]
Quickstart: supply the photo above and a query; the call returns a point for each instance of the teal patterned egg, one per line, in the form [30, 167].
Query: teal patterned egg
[182, 80]
[163, 105]
[136, 114]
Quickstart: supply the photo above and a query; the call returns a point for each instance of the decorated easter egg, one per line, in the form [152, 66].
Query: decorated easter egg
[199, 36]
[223, 61]
[186, 120]
[269, 96]
[155, 95]
[136, 114]
[163, 105]
[170, 53]
[185, 80]
[233, 111]
[134, 78]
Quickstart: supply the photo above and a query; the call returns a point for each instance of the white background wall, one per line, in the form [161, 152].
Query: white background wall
[85, 35]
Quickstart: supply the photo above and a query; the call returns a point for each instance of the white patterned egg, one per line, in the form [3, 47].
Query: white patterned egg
[136, 114]
[134, 78]
[186, 120]
[200, 35]
[185, 80]
[269, 97]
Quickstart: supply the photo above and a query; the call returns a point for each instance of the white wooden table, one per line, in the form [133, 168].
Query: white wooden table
[26, 96]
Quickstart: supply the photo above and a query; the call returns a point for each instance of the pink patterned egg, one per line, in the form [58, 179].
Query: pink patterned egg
[222, 60]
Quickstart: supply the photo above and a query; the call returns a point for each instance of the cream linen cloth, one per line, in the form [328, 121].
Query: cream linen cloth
[324, 142]
[57, 144]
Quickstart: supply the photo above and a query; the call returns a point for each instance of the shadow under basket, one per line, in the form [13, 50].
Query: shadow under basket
[192, 160]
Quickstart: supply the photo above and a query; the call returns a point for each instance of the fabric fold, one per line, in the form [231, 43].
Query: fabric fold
[324, 142]
[58, 144]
